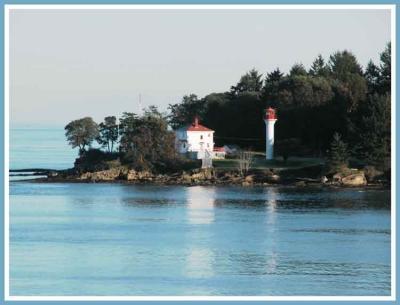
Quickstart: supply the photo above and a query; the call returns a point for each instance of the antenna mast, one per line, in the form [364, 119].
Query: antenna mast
[140, 104]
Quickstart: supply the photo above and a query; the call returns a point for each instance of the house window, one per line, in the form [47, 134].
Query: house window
[184, 145]
[209, 135]
[201, 137]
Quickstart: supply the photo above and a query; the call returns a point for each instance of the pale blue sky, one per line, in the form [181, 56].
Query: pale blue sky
[66, 64]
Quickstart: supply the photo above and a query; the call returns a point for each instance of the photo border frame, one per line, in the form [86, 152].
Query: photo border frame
[7, 5]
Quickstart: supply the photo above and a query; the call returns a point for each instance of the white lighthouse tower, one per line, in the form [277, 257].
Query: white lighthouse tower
[270, 119]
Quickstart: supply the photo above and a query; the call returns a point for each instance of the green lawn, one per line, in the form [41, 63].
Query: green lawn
[259, 162]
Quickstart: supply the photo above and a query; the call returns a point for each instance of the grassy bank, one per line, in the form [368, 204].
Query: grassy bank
[259, 162]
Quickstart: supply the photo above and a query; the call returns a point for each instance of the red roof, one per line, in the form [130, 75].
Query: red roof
[195, 126]
[198, 128]
[220, 149]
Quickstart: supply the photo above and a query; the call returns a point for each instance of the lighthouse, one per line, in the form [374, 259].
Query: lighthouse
[269, 119]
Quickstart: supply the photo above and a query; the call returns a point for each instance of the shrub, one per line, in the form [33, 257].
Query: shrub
[176, 165]
[95, 160]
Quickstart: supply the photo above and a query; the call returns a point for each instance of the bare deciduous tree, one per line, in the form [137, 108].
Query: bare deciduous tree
[245, 161]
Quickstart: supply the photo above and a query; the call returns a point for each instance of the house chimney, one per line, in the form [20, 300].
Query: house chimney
[196, 121]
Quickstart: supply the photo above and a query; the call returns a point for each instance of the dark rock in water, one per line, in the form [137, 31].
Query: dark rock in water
[52, 174]
[301, 183]
[337, 178]
[372, 174]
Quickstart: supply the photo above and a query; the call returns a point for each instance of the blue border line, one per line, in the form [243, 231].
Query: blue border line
[199, 2]
[2, 301]
[2, 177]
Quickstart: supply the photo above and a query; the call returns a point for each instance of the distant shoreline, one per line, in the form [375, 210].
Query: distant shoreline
[32, 170]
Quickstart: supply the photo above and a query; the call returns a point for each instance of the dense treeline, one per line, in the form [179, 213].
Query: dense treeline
[333, 96]
[141, 142]
[335, 109]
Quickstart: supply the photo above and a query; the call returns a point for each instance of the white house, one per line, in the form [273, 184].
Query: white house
[195, 140]
[219, 152]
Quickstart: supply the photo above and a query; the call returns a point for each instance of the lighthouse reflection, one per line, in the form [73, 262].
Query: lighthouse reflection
[271, 203]
[271, 231]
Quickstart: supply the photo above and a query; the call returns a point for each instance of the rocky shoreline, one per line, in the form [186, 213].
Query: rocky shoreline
[303, 177]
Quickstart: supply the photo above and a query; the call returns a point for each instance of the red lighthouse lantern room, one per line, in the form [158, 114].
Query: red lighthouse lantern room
[270, 114]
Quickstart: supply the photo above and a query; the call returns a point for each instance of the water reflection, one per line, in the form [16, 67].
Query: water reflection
[251, 263]
[199, 263]
[349, 231]
[200, 205]
[200, 211]
[115, 239]
[272, 257]
[148, 202]
[271, 204]
[272, 263]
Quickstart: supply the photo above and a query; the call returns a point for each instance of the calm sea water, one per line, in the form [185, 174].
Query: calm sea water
[116, 239]
[40, 147]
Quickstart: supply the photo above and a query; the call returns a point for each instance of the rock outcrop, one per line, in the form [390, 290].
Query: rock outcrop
[138, 175]
[351, 178]
[357, 179]
[105, 175]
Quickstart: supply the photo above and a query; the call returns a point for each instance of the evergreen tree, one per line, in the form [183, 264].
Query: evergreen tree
[274, 76]
[271, 88]
[319, 68]
[251, 82]
[343, 64]
[385, 69]
[374, 131]
[331, 97]
[372, 76]
[338, 153]
[182, 113]
[217, 113]
[298, 70]
[349, 84]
